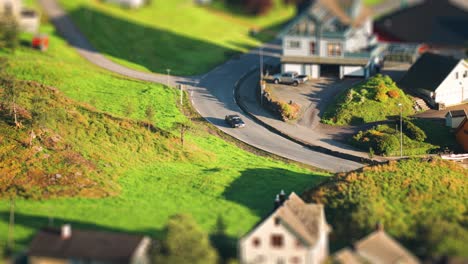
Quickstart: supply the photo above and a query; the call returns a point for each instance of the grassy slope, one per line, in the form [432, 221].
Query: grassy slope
[216, 179]
[174, 34]
[421, 203]
[357, 105]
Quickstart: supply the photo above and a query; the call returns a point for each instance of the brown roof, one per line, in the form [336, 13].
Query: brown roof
[303, 219]
[347, 256]
[378, 247]
[84, 244]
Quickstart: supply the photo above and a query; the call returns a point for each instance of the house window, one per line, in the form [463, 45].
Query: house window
[312, 47]
[277, 241]
[465, 74]
[256, 242]
[298, 243]
[294, 44]
[334, 49]
[456, 75]
[277, 219]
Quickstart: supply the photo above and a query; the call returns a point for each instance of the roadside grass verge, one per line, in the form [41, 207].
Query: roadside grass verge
[176, 34]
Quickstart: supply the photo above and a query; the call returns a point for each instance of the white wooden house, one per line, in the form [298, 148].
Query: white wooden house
[331, 38]
[441, 80]
[295, 232]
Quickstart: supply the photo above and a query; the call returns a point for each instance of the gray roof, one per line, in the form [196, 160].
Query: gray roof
[84, 244]
[457, 113]
[329, 18]
[428, 72]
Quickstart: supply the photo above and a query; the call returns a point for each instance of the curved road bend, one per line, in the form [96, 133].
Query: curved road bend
[211, 94]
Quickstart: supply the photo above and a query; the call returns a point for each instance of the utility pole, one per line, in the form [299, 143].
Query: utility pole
[261, 75]
[181, 94]
[401, 130]
[168, 74]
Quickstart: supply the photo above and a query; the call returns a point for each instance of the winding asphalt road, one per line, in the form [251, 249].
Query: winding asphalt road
[212, 94]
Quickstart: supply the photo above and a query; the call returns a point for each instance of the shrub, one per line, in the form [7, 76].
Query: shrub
[393, 94]
[413, 131]
[258, 7]
[289, 111]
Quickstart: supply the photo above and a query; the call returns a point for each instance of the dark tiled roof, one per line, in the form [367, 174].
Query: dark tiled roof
[457, 113]
[428, 72]
[91, 245]
[433, 22]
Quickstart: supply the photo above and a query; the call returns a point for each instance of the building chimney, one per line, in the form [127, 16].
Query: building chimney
[66, 232]
[379, 226]
[282, 196]
[277, 201]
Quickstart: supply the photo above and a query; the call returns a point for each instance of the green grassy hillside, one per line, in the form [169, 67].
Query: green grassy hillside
[176, 34]
[373, 100]
[121, 176]
[421, 203]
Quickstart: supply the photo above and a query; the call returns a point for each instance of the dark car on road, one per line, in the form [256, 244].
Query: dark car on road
[234, 121]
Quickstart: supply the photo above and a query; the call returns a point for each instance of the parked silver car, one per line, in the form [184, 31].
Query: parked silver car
[290, 78]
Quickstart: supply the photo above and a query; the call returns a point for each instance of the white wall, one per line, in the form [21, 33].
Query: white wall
[299, 68]
[265, 253]
[303, 50]
[353, 71]
[453, 91]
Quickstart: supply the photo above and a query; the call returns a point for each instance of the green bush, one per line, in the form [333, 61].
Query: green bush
[413, 131]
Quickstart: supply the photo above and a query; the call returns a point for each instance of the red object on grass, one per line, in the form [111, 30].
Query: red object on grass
[40, 42]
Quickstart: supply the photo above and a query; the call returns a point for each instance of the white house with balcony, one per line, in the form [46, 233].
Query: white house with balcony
[295, 232]
[331, 38]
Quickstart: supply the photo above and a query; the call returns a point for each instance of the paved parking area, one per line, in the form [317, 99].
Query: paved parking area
[312, 96]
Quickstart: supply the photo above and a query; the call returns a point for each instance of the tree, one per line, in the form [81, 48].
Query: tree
[185, 242]
[9, 32]
[10, 92]
[150, 112]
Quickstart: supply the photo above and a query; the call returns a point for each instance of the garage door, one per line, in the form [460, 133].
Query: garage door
[294, 67]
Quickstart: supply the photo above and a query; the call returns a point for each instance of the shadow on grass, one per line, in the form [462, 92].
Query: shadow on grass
[153, 48]
[35, 222]
[257, 188]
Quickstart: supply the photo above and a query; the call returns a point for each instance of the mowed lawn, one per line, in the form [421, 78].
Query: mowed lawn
[218, 179]
[176, 34]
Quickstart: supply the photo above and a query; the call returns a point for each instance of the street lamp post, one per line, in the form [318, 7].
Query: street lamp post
[401, 129]
[261, 63]
[168, 74]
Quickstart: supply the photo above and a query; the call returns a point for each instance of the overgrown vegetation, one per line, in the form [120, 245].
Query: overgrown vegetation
[286, 111]
[421, 203]
[8, 33]
[374, 100]
[385, 140]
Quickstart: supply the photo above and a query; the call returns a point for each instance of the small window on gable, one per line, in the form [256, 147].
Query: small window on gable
[294, 44]
[456, 75]
[298, 243]
[277, 221]
[465, 74]
[277, 241]
[256, 242]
